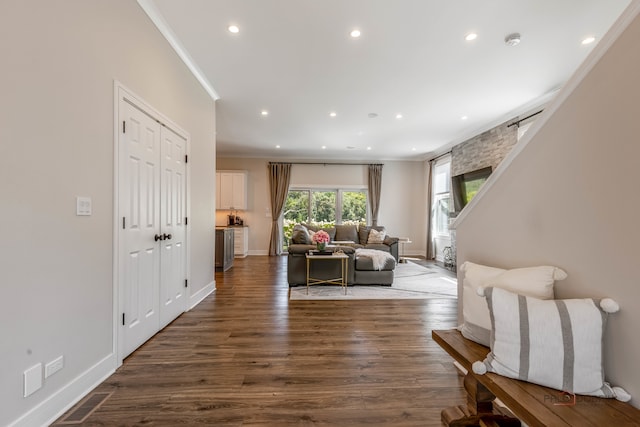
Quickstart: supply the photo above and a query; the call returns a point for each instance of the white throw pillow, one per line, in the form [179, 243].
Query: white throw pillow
[530, 281]
[376, 236]
[554, 343]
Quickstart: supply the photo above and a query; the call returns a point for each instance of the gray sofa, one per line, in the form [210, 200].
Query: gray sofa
[360, 271]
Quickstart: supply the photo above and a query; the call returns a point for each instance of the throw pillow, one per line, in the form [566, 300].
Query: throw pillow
[331, 231]
[346, 233]
[363, 234]
[310, 227]
[554, 343]
[300, 235]
[530, 281]
[376, 236]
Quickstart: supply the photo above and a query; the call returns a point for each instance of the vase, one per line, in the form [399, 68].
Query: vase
[321, 246]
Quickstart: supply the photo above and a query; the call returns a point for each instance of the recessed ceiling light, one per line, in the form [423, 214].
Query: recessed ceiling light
[233, 29]
[464, 118]
[413, 149]
[264, 112]
[277, 146]
[588, 40]
[324, 147]
[512, 39]
[368, 148]
[398, 116]
[333, 114]
[471, 36]
[355, 34]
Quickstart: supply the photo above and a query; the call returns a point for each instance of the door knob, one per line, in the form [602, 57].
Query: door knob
[158, 237]
[166, 237]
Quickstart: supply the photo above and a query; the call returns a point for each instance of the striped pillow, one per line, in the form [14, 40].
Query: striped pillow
[554, 343]
[530, 281]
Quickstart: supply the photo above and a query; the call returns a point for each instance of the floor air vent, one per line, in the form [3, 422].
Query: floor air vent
[85, 408]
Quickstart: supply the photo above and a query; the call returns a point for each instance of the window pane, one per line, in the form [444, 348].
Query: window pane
[354, 207]
[442, 181]
[323, 208]
[296, 210]
[442, 214]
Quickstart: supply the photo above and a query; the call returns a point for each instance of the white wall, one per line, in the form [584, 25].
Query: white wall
[402, 206]
[569, 198]
[59, 62]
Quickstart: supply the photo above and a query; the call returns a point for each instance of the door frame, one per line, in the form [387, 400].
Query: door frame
[122, 93]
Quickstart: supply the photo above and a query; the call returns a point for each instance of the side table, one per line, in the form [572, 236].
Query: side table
[403, 241]
[344, 270]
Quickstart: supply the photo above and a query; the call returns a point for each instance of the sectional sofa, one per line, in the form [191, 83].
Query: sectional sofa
[346, 238]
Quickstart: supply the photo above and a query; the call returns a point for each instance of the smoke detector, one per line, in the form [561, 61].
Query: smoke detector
[512, 39]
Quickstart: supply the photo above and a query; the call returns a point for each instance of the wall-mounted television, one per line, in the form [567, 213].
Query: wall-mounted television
[466, 185]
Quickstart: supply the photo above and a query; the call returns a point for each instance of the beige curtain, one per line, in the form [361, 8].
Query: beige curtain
[429, 175]
[279, 177]
[375, 187]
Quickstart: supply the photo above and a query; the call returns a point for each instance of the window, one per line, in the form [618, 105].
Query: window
[441, 198]
[522, 129]
[296, 207]
[354, 207]
[324, 208]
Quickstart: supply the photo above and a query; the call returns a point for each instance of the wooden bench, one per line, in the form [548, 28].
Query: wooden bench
[533, 404]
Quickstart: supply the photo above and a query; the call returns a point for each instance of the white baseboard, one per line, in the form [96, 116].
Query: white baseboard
[259, 252]
[197, 298]
[62, 400]
[414, 254]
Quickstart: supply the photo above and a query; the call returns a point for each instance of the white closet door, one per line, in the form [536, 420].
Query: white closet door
[139, 200]
[172, 218]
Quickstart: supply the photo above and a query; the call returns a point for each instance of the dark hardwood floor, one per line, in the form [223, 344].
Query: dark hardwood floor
[247, 356]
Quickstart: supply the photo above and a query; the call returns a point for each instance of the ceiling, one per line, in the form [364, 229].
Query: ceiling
[296, 60]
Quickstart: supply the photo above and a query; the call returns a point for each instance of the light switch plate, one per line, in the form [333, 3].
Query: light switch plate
[83, 206]
[32, 379]
[53, 367]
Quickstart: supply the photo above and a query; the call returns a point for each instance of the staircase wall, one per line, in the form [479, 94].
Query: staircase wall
[568, 195]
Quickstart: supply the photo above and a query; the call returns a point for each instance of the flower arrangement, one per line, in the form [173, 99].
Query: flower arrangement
[320, 238]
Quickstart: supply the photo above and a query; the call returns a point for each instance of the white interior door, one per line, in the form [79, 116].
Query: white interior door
[152, 206]
[172, 217]
[139, 201]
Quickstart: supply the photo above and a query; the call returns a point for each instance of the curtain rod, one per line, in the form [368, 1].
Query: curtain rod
[323, 163]
[517, 122]
[441, 155]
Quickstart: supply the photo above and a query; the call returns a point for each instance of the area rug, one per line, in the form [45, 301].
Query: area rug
[411, 281]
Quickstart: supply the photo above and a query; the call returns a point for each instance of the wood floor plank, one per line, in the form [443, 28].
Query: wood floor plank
[247, 356]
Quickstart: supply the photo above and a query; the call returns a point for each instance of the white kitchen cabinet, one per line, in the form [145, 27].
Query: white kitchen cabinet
[231, 190]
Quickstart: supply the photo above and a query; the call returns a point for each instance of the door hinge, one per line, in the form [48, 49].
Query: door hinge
[123, 319]
[124, 224]
[186, 283]
[186, 220]
[186, 158]
[124, 126]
